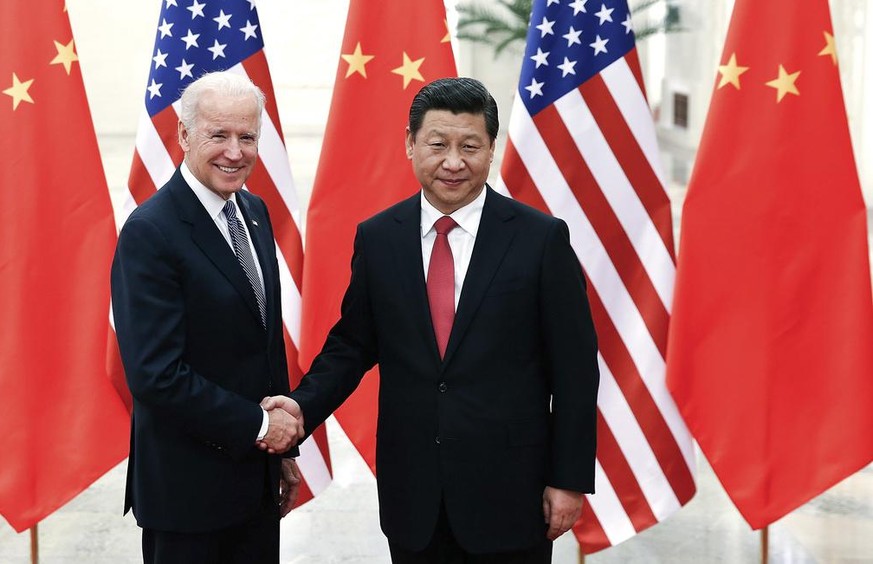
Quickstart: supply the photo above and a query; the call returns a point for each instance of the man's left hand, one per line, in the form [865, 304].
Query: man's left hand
[289, 486]
[561, 509]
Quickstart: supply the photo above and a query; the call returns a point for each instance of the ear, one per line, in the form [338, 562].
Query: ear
[184, 141]
[491, 151]
[410, 143]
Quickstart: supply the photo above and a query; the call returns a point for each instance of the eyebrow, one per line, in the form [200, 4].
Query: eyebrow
[441, 133]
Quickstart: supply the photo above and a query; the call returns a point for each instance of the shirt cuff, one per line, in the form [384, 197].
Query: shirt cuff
[264, 425]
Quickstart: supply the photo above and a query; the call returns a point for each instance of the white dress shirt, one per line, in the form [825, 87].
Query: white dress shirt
[214, 205]
[461, 238]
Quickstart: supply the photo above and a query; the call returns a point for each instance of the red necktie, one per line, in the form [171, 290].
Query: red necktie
[441, 283]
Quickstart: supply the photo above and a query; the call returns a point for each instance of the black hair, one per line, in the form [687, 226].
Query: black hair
[457, 95]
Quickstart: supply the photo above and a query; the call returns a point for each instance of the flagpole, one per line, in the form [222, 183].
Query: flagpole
[34, 544]
[765, 545]
[581, 556]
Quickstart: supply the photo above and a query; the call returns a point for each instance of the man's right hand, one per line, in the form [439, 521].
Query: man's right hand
[284, 403]
[283, 431]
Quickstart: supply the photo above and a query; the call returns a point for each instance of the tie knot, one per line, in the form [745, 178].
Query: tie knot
[444, 224]
[229, 210]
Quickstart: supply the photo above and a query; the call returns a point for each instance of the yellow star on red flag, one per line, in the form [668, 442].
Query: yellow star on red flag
[730, 73]
[18, 91]
[830, 47]
[409, 70]
[357, 61]
[66, 55]
[784, 83]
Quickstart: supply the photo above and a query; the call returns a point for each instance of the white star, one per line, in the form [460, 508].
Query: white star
[191, 40]
[599, 45]
[196, 9]
[572, 37]
[252, 4]
[165, 28]
[185, 70]
[172, 3]
[567, 67]
[540, 58]
[535, 88]
[553, 2]
[628, 24]
[217, 50]
[160, 59]
[604, 14]
[154, 89]
[578, 6]
[223, 19]
[249, 30]
[546, 28]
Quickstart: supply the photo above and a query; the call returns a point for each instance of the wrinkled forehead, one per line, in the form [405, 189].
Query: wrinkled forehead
[222, 111]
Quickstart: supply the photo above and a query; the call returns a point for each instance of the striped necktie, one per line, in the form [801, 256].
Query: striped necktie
[244, 255]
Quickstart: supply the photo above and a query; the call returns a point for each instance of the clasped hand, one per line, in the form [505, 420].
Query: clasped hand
[285, 428]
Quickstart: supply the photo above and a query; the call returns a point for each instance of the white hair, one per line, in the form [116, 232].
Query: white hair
[223, 83]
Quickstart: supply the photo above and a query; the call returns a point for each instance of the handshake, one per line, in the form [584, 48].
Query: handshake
[285, 428]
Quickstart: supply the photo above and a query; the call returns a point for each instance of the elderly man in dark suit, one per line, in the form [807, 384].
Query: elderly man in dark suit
[195, 295]
[474, 307]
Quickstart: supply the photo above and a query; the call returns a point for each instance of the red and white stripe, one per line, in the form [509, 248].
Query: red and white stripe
[157, 156]
[591, 158]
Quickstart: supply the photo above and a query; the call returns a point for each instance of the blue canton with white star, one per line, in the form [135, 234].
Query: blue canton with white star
[568, 42]
[195, 37]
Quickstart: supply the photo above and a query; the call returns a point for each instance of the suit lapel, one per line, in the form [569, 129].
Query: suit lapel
[208, 238]
[407, 250]
[493, 239]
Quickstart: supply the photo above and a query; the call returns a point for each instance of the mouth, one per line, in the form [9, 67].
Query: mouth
[229, 169]
[452, 181]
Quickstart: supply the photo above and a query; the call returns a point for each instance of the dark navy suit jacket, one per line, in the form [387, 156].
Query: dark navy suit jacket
[197, 360]
[511, 408]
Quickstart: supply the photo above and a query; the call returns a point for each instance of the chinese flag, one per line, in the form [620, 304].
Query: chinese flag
[63, 424]
[770, 355]
[390, 50]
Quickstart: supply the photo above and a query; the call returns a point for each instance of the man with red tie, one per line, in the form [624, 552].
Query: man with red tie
[474, 307]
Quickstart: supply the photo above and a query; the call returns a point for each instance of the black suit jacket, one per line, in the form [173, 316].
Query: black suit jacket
[511, 408]
[197, 361]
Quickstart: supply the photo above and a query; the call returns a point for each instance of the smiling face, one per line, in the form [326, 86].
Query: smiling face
[222, 147]
[451, 156]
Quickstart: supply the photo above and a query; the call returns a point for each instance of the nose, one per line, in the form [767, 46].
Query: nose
[453, 160]
[233, 149]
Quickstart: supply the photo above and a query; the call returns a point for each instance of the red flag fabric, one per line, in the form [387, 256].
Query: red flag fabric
[390, 50]
[205, 37]
[582, 147]
[63, 423]
[771, 344]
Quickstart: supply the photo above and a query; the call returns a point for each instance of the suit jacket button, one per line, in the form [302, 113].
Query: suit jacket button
[442, 387]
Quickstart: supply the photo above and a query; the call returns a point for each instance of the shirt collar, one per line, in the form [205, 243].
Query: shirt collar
[213, 203]
[467, 217]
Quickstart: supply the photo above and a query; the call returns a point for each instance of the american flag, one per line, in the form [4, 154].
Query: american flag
[582, 147]
[193, 38]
